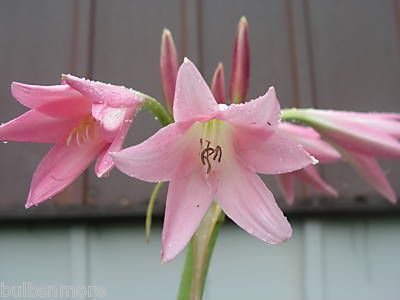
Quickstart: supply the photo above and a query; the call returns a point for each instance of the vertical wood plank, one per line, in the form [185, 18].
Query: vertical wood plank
[360, 259]
[313, 277]
[79, 255]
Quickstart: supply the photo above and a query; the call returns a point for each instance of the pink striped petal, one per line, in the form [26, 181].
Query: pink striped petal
[218, 84]
[365, 140]
[187, 202]
[69, 108]
[60, 167]
[388, 126]
[310, 176]
[310, 140]
[368, 168]
[104, 94]
[105, 163]
[34, 126]
[263, 111]
[161, 156]
[193, 97]
[354, 136]
[33, 96]
[275, 155]
[246, 200]
[286, 183]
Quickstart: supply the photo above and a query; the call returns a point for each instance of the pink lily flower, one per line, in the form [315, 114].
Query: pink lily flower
[360, 137]
[322, 151]
[213, 152]
[84, 119]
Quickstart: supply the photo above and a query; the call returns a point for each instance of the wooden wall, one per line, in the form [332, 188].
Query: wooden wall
[326, 54]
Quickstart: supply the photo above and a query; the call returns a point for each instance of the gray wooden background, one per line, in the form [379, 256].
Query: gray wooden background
[322, 53]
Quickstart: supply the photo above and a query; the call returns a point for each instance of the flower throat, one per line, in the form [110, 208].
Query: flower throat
[208, 152]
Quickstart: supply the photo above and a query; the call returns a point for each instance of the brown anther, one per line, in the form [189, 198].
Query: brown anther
[208, 152]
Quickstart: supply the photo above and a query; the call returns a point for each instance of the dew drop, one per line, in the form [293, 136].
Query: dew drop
[5, 142]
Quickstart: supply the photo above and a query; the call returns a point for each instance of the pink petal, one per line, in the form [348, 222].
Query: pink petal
[102, 93]
[354, 136]
[60, 167]
[286, 183]
[241, 63]
[310, 140]
[365, 140]
[263, 111]
[187, 202]
[34, 126]
[34, 96]
[371, 172]
[299, 131]
[193, 98]
[309, 175]
[168, 67]
[218, 84]
[70, 108]
[247, 201]
[275, 155]
[161, 156]
[388, 126]
[105, 163]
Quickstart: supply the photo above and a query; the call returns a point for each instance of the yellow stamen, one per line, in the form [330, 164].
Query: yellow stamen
[86, 130]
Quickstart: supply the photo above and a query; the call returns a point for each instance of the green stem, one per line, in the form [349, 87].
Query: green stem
[157, 109]
[150, 208]
[199, 255]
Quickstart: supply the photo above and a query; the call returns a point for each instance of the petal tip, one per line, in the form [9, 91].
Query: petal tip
[243, 21]
[166, 257]
[29, 204]
[102, 173]
[17, 88]
[392, 198]
[288, 234]
[284, 235]
[271, 89]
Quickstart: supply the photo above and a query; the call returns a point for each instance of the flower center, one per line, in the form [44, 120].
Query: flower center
[210, 146]
[85, 131]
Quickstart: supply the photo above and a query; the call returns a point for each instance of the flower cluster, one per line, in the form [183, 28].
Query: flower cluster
[211, 152]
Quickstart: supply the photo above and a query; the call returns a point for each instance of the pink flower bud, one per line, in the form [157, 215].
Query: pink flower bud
[241, 63]
[168, 67]
[218, 84]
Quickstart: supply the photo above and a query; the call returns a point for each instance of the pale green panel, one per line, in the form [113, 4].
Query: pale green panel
[246, 268]
[122, 263]
[361, 259]
[36, 254]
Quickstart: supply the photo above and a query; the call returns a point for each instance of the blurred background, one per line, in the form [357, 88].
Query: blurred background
[325, 54]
